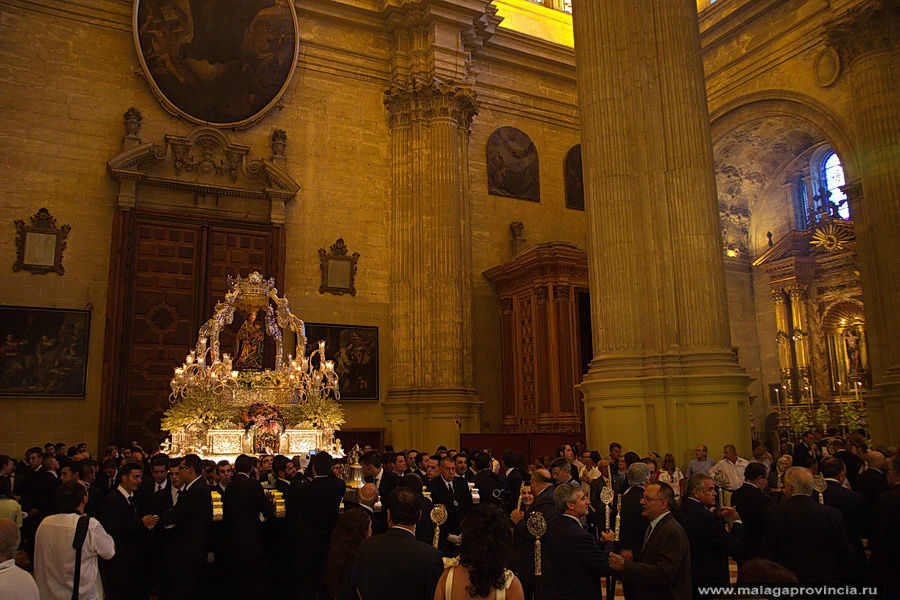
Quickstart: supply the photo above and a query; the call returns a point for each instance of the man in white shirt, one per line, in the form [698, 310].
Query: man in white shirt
[732, 466]
[15, 584]
[54, 556]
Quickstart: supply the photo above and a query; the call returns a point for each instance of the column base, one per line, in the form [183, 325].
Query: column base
[883, 406]
[424, 419]
[668, 412]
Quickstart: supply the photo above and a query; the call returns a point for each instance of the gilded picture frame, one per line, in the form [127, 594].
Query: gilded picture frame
[40, 244]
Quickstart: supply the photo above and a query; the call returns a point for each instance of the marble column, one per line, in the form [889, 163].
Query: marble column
[430, 106]
[664, 376]
[867, 42]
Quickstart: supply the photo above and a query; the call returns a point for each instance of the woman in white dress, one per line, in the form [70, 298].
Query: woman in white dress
[672, 475]
[481, 570]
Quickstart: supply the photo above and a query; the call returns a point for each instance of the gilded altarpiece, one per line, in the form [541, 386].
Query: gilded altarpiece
[540, 347]
[820, 326]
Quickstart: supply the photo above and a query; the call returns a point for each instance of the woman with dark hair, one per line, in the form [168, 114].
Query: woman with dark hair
[481, 570]
[351, 528]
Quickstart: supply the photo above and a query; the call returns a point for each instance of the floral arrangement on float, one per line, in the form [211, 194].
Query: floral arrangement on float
[223, 406]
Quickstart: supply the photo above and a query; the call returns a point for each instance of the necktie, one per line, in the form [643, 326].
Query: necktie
[646, 536]
[158, 487]
[131, 504]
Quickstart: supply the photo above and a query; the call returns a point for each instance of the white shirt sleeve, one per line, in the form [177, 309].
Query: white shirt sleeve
[101, 542]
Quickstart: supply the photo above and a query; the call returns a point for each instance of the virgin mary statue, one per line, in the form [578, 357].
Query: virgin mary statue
[249, 345]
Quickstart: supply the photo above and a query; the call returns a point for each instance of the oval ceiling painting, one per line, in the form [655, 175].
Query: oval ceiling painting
[217, 62]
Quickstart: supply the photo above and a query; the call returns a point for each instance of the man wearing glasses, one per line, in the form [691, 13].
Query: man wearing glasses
[662, 567]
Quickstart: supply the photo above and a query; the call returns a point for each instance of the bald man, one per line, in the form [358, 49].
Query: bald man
[15, 584]
[807, 537]
[367, 498]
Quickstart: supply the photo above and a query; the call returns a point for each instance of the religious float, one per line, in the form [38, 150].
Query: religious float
[223, 405]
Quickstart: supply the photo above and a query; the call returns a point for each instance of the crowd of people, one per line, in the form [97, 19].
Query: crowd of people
[448, 525]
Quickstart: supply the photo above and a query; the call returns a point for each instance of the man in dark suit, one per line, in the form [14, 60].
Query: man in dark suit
[453, 493]
[661, 568]
[632, 522]
[806, 537]
[577, 559]
[312, 510]
[850, 504]
[512, 462]
[242, 503]
[123, 574]
[106, 480]
[395, 565]
[806, 453]
[751, 502]
[365, 500]
[544, 503]
[491, 487]
[872, 481]
[711, 543]
[374, 472]
[885, 540]
[159, 479]
[184, 546]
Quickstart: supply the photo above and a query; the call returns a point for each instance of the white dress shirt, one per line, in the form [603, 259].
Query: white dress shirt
[733, 470]
[16, 584]
[54, 557]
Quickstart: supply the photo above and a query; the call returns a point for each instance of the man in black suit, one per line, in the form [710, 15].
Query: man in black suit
[752, 502]
[632, 522]
[661, 568]
[544, 502]
[491, 487]
[106, 480]
[872, 481]
[366, 497]
[312, 510]
[373, 471]
[453, 493]
[710, 542]
[577, 559]
[806, 453]
[421, 468]
[850, 504]
[885, 542]
[123, 574]
[159, 479]
[513, 462]
[243, 502]
[186, 524]
[806, 537]
[395, 565]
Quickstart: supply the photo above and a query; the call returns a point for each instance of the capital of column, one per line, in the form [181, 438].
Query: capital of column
[430, 102]
[870, 27]
[797, 293]
[778, 296]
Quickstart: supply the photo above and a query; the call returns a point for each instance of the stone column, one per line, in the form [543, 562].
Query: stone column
[867, 42]
[664, 376]
[800, 337]
[430, 107]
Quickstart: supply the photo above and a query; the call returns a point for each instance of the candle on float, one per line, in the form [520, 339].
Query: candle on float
[322, 345]
[234, 374]
[329, 365]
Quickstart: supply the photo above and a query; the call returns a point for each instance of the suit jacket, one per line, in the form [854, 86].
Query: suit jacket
[396, 566]
[458, 506]
[710, 543]
[885, 543]
[387, 484]
[853, 463]
[313, 507]
[662, 568]
[752, 504]
[191, 515]
[809, 539]
[803, 457]
[870, 483]
[524, 541]
[577, 560]
[425, 526]
[242, 503]
[514, 481]
[123, 573]
[632, 524]
[377, 519]
[492, 488]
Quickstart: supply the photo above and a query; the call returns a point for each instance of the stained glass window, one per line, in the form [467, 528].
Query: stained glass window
[833, 174]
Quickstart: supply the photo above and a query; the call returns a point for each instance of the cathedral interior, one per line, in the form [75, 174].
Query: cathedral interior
[660, 223]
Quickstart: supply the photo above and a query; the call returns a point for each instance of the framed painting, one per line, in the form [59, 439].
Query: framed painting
[354, 350]
[217, 62]
[43, 351]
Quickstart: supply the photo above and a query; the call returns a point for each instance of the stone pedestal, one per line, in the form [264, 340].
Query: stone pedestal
[866, 41]
[664, 376]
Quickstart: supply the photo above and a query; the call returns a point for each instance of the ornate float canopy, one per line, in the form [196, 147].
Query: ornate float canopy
[215, 394]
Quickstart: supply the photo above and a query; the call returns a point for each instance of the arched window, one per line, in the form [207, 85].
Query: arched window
[832, 180]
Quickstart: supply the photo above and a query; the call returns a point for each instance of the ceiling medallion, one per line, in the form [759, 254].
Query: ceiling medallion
[831, 238]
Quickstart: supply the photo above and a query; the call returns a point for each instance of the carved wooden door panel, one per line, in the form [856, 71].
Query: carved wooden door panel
[177, 271]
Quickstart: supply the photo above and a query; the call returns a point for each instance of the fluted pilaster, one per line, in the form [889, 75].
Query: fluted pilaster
[659, 310]
[867, 42]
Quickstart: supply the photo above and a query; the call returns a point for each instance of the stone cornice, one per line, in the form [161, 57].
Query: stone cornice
[871, 27]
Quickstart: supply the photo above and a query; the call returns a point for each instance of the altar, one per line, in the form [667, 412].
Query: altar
[222, 406]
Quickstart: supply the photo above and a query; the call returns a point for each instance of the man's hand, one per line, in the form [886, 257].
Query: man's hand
[150, 521]
[729, 513]
[516, 516]
[454, 539]
[616, 562]
[628, 554]
[608, 536]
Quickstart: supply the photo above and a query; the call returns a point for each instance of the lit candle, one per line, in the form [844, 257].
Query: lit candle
[179, 371]
[322, 345]
[234, 374]
[329, 365]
